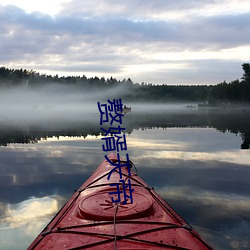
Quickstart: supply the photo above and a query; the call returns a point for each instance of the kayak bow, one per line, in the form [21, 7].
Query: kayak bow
[90, 220]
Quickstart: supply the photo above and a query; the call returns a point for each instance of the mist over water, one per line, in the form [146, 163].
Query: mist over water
[61, 102]
[59, 107]
[55, 102]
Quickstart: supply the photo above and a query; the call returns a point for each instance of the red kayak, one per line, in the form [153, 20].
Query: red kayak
[93, 219]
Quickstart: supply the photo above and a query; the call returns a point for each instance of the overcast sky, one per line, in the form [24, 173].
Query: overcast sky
[154, 41]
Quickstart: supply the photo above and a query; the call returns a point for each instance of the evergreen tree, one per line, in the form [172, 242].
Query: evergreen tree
[246, 69]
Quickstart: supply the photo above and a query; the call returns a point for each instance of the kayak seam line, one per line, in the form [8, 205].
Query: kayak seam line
[115, 236]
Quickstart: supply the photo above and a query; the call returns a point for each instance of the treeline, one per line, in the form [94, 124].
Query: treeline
[237, 91]
[234, 92]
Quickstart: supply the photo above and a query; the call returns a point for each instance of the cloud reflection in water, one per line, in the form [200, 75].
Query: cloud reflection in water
[25, 220]
[198, 171]
[201, 174]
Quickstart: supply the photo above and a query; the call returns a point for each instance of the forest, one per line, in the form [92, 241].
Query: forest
[224, 93]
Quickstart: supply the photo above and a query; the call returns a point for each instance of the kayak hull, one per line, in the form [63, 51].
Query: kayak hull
[90, 220]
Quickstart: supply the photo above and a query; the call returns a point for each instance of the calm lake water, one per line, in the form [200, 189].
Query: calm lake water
[197, 160]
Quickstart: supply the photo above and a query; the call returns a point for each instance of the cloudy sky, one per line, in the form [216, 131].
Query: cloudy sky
[157, 41]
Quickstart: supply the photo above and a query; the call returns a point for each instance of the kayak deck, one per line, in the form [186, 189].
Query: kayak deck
[90, 220]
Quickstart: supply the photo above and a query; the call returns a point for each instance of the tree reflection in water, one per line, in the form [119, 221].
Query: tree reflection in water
[233, 121]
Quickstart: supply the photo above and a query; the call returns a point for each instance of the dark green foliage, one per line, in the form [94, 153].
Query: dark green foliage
[220, 94]
[233, 92]
[246, 75]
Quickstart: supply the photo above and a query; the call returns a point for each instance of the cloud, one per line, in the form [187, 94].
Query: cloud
[95, 38]
[149, 9]
[202, 31]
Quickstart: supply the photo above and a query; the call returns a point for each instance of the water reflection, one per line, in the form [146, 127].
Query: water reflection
[193, 161]
[29, 210]
[233, 121]
[203, 177]
[20, 222]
